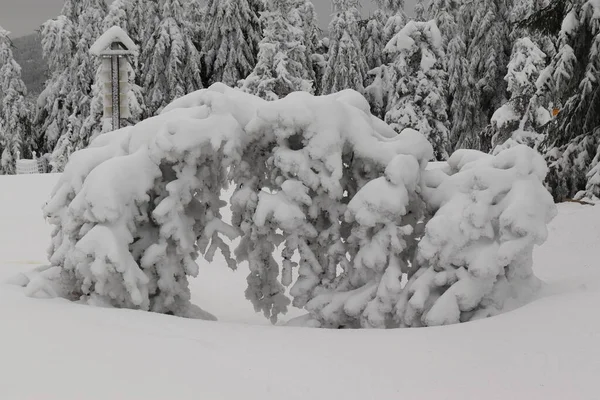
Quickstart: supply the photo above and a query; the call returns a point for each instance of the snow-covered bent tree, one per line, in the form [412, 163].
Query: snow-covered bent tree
[340, 194]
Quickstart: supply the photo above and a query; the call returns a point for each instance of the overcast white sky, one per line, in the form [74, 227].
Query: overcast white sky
[24, 16]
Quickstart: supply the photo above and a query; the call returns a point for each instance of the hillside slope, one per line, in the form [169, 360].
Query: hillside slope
[53, 349]
[28, 53]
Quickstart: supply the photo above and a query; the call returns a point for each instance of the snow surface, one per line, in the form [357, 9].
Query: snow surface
[54, 349]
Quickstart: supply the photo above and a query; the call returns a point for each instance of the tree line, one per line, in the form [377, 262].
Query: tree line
[478, 74]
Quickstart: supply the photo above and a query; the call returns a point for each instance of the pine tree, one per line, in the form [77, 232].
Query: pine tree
[520, 14]
[95, 123]
[84, 66]
[420, 10]
[136, 17]
[571, 85]
[420, 92]
[64, 147]
[118, 15]
[372, 39]
[312, 33]
[346, 63]
[476, 253]
[396, 17]
[283, 64]
[488, 46]
[232, 39]
[446, 15]
[522, 10]
[15, 119]
[149, 17]
[320, 65]
[195, 12]
[521, 120]
[547, 19]
[72, 9]
[58, 43]
[66, 101]
[196, 15]
[391, 7]
[174, 67]
[387, 21]
[571, 79]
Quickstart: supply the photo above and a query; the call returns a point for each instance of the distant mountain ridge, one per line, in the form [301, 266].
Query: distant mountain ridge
[28, 53]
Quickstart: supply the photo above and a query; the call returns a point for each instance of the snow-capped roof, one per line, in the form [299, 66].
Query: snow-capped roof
[114, 34]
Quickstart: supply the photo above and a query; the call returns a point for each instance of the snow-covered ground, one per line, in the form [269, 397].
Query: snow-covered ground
[53, 349]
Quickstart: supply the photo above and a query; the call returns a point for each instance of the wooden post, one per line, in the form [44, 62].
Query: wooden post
[113, 47]
[116, 90]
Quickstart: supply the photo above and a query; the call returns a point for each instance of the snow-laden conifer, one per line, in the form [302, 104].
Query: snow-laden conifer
[488, 45]
[570, 84]
[372, 39]
[420, 91]
[118, 15]
[385, 23]
[396, 17]
[312, 38]
[346, 63]
[15, 113]
[352, 205]
[195, 12]
[174, 66]
[446, 14]
[521, 14]
[84, 66]
[523, 118]
[293, 181]
[58, 43]
[232, 39]
[66, 100]
[283, 66]
[475, 258]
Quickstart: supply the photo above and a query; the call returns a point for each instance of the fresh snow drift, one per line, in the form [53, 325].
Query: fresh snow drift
[58, 350]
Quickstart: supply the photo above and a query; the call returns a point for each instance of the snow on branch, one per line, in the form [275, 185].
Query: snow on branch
[351, 206]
